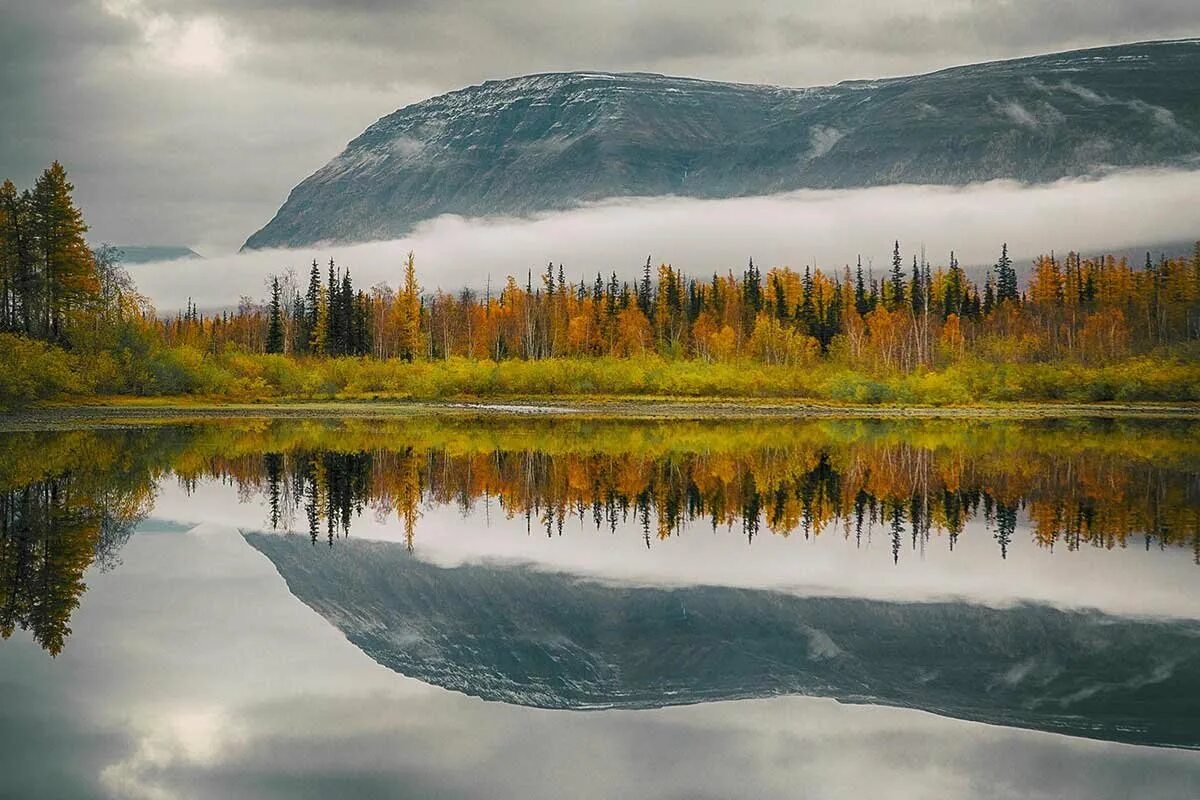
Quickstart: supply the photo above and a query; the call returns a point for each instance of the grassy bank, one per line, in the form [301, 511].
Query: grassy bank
[33, 372]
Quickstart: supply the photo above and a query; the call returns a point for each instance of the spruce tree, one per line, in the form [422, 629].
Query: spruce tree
[346, 308]
[807, 312]
[916, 294]
[1006, 278]
[298, 320]
[312, 309]
[645, 296]
[860, 290]
[897, 279]
[275, 323]
[333, 333]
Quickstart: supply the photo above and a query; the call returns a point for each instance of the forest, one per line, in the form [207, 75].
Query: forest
[1069, 327]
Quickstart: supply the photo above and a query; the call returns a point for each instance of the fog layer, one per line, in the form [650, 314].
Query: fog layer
[1120, 211]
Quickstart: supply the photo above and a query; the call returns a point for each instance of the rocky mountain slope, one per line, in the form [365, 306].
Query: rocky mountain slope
[556, 140]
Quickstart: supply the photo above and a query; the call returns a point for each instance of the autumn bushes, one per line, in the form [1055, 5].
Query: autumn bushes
[32, 371]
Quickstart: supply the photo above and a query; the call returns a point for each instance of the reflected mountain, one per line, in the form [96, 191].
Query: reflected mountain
[522, 636]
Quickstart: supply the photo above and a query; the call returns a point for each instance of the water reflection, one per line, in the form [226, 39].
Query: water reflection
[530, 637]
[78, 511]
[1092, 485]
[69, 498]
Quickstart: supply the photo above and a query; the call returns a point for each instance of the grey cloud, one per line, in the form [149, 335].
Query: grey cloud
[980, 29]
[373, 746]
[166, 155]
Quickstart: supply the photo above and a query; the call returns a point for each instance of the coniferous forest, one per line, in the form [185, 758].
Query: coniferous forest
[1069, 326]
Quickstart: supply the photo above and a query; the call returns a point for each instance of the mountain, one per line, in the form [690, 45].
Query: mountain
[519, 635]
[552, 141]
[144, 253]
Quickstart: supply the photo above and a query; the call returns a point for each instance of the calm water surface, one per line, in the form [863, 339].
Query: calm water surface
[536, 607]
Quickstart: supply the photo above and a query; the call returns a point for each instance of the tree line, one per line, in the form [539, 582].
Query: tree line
[1092, 310]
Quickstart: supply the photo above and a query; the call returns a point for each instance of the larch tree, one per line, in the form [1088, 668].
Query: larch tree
[68, 274]
[410, 321]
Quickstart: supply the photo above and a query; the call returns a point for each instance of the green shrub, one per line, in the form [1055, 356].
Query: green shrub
[31, 370]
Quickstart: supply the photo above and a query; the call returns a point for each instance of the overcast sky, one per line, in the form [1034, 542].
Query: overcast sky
[187, 121]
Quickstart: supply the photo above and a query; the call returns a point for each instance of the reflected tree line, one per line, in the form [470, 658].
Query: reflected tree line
[904, 493]
[69, 500]
[57, 525]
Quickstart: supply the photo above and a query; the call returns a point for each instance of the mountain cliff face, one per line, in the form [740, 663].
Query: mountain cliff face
[552, 141]
[518, 635]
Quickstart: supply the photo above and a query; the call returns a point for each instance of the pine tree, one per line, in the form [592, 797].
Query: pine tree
[1006, 278]
[807, 312]
[954, 298]
[332, 335]
[860, 290]
[781, 309]
[833, 319]
[915, 294]
[312, 308]
[346, 310]
[298, 320]
[897, 279]
[645, 294]
[275, 323]
[752, 290]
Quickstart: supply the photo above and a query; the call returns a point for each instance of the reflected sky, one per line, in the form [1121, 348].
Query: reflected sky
[827, 564]
[193, 672]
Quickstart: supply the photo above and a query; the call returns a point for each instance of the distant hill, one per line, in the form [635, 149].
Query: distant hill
[555, 140]
[142, 253]
[521, 635]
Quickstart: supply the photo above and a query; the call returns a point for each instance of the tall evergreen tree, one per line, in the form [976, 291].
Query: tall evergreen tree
[312, 309]
[333, 318]
[275, 322]
[897, 278]
[916, 295]
[1006, 278]
[860, 290]
[346, 309]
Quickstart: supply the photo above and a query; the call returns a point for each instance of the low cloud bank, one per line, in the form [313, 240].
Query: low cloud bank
[826, 227]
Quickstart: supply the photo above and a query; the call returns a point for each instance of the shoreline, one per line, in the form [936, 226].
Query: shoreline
[123, 412]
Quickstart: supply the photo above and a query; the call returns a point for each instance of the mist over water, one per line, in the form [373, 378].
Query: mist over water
[826, 227]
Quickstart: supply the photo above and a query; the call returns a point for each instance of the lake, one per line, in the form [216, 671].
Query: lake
[473, 605]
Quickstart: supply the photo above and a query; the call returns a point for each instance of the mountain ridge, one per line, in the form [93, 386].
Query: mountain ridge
[555, 140]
